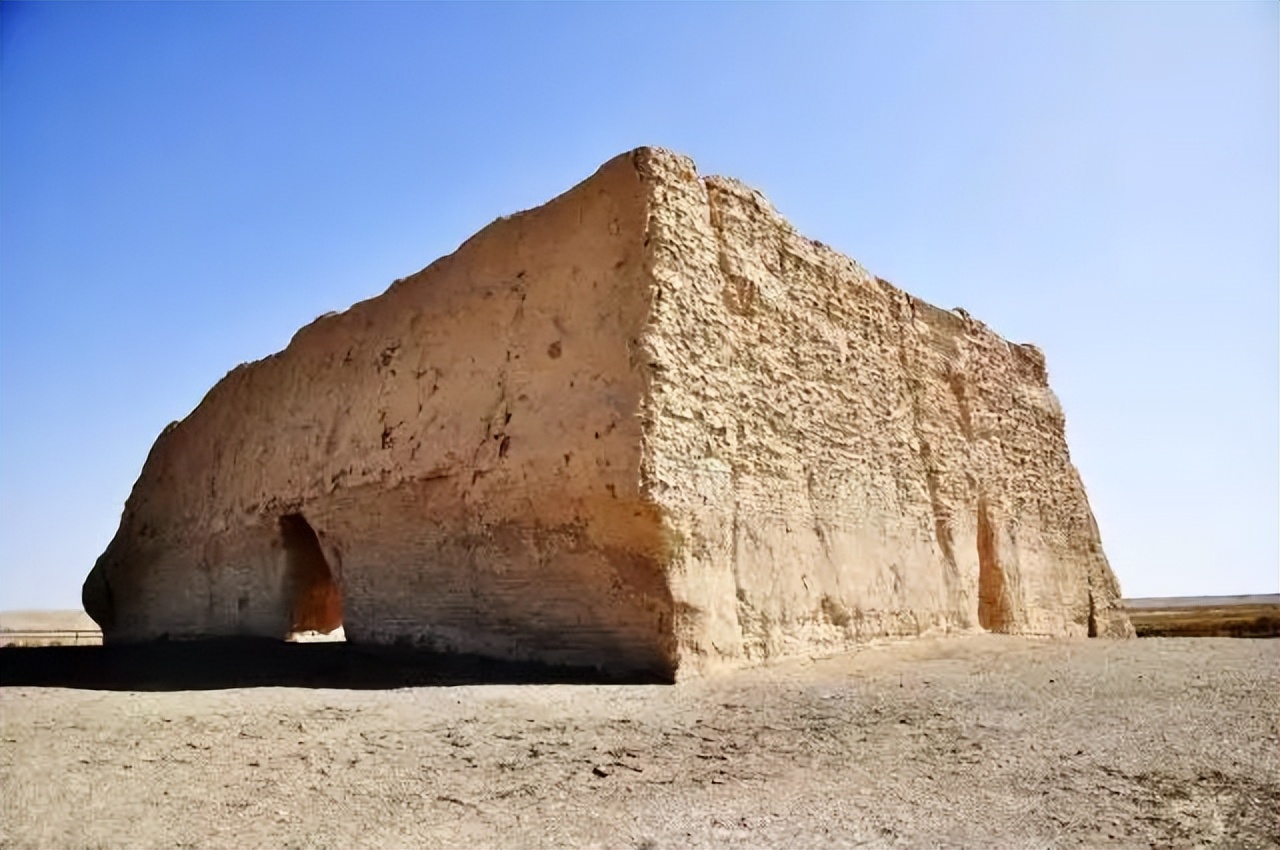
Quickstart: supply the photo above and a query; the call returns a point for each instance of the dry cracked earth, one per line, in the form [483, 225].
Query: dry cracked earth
[979, 741]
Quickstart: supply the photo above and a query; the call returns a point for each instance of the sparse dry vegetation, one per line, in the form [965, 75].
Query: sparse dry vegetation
[1240, 617]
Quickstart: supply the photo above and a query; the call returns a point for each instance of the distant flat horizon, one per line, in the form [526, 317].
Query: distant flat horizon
[57, 619]
[70, 618]
[1148, 602]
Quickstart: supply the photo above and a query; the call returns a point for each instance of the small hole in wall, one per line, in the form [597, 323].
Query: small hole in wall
[314, 594]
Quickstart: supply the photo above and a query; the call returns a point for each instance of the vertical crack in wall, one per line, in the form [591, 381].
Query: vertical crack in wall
[1093, 612]
[993, 594]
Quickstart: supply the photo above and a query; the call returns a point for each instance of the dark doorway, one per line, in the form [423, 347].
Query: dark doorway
[316, 597]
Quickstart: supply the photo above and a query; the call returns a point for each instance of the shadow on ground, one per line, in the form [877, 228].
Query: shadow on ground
[214, 664]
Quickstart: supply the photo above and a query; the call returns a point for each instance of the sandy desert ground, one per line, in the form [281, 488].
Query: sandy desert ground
[981, 741]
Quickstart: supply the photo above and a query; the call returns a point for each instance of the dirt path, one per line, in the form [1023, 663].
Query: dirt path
[972, 742]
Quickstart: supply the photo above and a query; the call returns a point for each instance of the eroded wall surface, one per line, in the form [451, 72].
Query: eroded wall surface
[465, 448]
[841, 461]
[647, 426]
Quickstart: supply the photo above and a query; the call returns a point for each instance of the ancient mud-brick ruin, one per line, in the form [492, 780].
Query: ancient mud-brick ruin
[647, 427]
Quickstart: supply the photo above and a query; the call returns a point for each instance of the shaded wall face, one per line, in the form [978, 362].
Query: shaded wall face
[268, 579]
[236, 583]
[840, 460]
[420, 571]
[465, 447]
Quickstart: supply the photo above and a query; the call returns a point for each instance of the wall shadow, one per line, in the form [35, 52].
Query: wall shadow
[262, 663]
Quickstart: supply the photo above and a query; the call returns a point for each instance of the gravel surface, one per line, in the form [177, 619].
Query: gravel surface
[981, 741]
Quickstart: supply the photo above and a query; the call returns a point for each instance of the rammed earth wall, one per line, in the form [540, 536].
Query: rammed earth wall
[646, 426]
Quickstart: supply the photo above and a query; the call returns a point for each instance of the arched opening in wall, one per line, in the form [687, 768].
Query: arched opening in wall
[315, 597]
[993, 596]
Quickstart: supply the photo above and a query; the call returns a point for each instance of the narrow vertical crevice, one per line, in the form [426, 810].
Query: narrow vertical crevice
[993, 595]
[316, 599]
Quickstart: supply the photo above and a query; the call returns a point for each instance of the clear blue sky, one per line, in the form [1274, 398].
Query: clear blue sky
[183, 185]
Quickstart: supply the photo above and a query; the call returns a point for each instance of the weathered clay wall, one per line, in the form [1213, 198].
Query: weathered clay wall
[646, 426]
[839, 460]
[465, 447]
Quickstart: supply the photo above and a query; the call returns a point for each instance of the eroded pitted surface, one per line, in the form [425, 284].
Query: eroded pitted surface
[647, 425]
[464, 446]
[840, 460]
